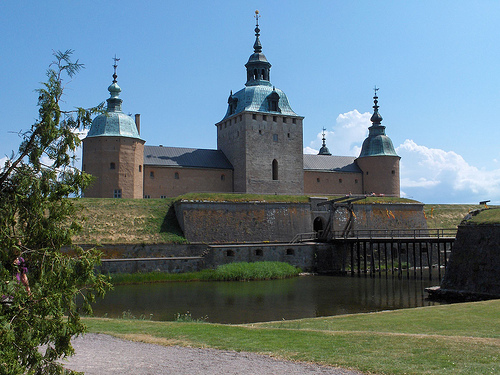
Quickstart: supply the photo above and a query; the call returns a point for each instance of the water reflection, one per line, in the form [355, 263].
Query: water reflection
[245, 302]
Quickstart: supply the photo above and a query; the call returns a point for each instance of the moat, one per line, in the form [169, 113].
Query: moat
[246, 302]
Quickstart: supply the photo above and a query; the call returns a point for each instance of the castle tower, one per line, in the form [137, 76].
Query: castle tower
[378, 159]
[113, 151]
[260, 134]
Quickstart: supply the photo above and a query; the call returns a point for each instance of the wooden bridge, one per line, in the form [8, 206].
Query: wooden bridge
[409, 252]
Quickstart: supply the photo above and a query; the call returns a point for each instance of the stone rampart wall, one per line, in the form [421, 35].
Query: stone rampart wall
[222, 222]
[311, 257]
[474, 263]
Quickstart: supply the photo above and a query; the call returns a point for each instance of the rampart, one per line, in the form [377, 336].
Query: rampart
[472, 271]
[227, 222]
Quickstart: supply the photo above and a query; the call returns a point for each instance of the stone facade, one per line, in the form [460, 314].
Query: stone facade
[160, 182]
[227, 222]
[265, 151]
[472, 270]
[380, 175]
[116, 163]
[327, 182]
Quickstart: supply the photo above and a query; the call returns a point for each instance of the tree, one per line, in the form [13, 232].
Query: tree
[37, 220]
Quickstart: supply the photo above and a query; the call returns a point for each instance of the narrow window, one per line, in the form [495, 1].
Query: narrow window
[147, 197]
[284, 120]
[222, 177]
[260, 132]
[112, 166]
[163, 196]
[317, 180]
[152, 174]
[340, 180]
[176, 175]
[140, 168]
[117, 193]
[393, 172]
[275, 118]
[275, 169]
[275, 137]
[254, 117]
[294, 121]
[367, 173]
[264, 117]
[288, 135]
[356, 181]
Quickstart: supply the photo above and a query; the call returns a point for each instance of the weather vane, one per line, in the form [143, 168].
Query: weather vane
[115, 59]
[257, 16]
[376, 89]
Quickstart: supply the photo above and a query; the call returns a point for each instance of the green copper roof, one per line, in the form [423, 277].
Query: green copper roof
[114, 122]
[377, 143]
[256, 99]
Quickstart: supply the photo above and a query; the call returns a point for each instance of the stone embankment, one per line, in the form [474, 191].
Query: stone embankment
[472, 271]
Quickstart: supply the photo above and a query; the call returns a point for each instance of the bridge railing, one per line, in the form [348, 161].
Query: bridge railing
[394, 233]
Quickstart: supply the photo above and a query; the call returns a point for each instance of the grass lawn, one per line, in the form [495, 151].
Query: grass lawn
[447, 339]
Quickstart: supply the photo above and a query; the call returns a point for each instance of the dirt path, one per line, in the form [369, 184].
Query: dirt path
[98, 354]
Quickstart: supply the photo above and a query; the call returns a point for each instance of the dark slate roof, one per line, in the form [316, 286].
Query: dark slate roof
[185, 157]
[331, 163]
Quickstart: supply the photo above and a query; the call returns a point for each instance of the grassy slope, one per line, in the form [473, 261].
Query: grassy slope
[153, 220]
[447, 339]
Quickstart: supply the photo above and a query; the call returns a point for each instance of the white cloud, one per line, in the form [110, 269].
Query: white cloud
[347, 134]
[438, 176]
[309, 150]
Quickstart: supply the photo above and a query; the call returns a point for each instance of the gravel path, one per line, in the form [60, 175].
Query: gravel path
[98, 354]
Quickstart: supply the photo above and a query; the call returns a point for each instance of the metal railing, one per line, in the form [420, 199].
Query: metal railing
[395, 233]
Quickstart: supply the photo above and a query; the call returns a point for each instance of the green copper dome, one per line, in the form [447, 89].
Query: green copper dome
[377, 143]
[114, 123]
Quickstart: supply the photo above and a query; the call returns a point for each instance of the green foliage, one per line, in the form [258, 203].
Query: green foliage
[240, 271]
[35, 222]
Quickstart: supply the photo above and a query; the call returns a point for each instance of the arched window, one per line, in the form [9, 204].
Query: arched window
[275, 169]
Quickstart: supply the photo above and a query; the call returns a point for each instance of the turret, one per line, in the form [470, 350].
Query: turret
[378, 159]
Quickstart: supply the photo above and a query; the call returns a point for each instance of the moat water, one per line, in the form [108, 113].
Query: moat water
[257, 301]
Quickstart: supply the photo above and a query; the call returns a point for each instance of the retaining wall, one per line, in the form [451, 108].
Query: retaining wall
[223, 222]
[473, 267]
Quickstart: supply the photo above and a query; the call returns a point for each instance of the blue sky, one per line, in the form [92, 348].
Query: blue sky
[436, 63]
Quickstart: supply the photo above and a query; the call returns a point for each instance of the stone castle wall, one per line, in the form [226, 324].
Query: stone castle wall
[474, 263]
[225, 222]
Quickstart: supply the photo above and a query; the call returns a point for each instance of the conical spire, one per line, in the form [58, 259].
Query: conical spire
[258, 68]
[114, 102]
[377, 143]
[257, 47]
[324, 150]
[376, 119]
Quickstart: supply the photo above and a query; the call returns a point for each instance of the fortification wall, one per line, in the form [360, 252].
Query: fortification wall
[310, 257]
[472, 270]
[222, 222]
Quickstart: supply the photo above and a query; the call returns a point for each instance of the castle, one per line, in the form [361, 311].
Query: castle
[259, 150]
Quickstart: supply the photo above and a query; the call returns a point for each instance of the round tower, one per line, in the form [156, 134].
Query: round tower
[378, 159]
[113, 151]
